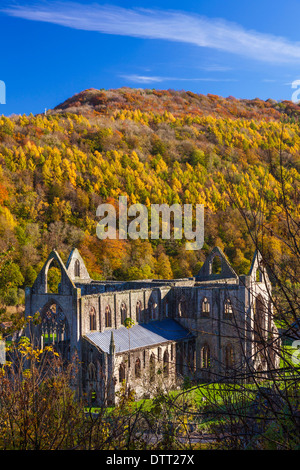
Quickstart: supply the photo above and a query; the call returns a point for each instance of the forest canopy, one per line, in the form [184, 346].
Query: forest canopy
[153, 147]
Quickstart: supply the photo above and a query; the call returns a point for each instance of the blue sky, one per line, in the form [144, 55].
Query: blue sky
[52, 50]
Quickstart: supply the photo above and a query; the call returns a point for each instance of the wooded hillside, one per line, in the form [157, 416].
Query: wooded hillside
[155, 147]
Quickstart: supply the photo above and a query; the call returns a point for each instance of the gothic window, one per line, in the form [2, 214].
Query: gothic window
[229, 356]
[228, 309]
[260, 312]
[138, 311]
[216, 265]
[77, 268]
[107, 316]
[144, 359]
[123, 312]
[91, 372]
[137, 368]
[92, 319]
[166, 364]
[152, 368]
[53, 277]
[182, 307]
[167, 308]
[258, 276]
[55, 329]
[152, 309]
[205, 307]
[159, 353]
[122, 372]
[205, 357]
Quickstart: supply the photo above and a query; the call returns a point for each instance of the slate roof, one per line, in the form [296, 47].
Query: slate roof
[140, 336]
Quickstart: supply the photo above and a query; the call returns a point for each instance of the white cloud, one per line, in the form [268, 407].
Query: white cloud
[142, 78]
[163, 24]
[149, 79]
[215, 68]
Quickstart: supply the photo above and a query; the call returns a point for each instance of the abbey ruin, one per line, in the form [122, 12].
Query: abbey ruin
[215, 326]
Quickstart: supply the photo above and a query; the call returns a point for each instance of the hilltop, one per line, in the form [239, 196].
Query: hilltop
[176, 102]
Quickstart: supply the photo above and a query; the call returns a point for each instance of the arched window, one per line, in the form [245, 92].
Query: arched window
[205, 357]
[167, 308]
[205, 307]
[258, 276]
[152, 368]
[123, 309]
[122, 371]
[55, 329]
[159, 353]
[166, 364]
[260, 313]
[107, 317]
[92, 319]
[228, 309]
[53, 277]
[152, 309]
[138, 311]
[216, 265]
[229, 359]
[137, 368]
[92, 372]
[182, 307]
[77, 268]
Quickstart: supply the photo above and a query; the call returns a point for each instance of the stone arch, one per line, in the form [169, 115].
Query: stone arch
[55, 328]
[65, 286]
[53, 277]
[215, 266]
